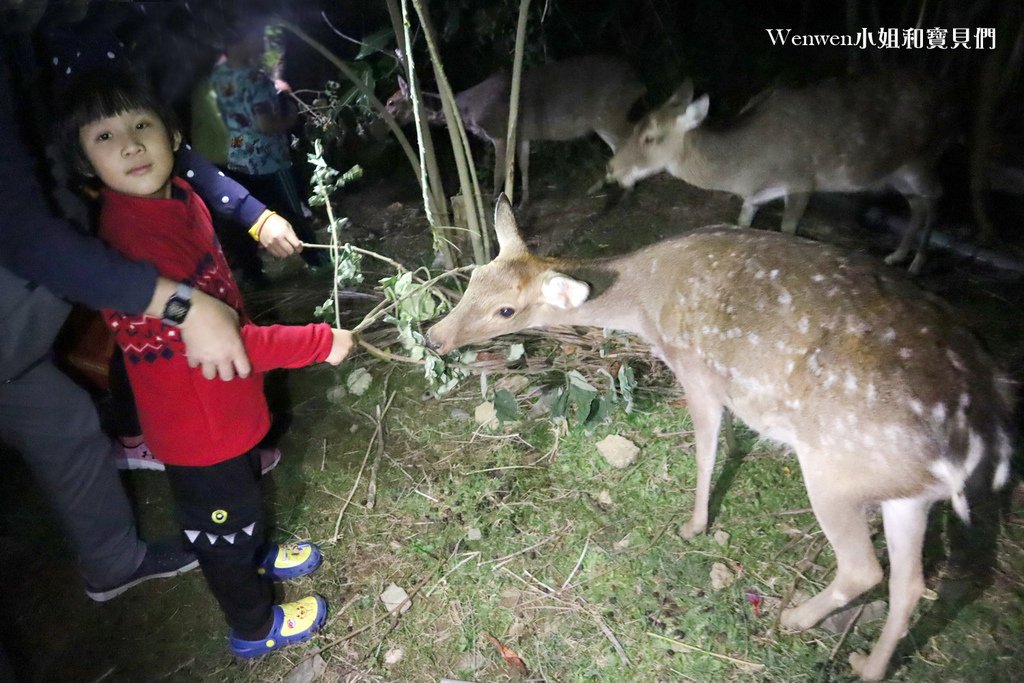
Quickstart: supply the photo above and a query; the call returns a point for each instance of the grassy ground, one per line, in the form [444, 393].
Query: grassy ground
[526, 535]
[520, 536]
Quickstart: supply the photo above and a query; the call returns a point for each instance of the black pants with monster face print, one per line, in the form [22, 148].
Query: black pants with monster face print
[220, 509]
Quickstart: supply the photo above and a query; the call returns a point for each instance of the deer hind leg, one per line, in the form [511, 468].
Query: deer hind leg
[905, 521]
[844, 521]
[706, 413]
[920, 188]
[796, 203]
[524, 169]
[747, 213]
[499, 166]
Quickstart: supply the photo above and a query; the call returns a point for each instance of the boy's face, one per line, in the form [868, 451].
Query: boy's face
[131, 152]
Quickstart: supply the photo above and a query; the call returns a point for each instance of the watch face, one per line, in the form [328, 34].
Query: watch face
[176, 310]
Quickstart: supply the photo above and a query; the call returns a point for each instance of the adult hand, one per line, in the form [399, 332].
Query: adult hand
[210, 333]
[278, 237]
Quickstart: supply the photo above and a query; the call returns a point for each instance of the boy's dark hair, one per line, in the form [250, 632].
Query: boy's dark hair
[98, 94]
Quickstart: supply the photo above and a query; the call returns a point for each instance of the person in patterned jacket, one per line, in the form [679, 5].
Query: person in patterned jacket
[205, 432]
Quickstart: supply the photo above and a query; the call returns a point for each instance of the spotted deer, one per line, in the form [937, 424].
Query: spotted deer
[851, 134]
[560, 100]
[884, 397]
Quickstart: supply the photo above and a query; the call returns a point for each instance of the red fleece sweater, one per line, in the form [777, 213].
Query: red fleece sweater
[186, 418]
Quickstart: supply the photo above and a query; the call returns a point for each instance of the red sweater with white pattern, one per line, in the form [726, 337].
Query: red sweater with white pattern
[186, 418]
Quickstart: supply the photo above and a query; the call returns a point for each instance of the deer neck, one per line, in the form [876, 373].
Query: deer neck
[620, 294]
[709, 159]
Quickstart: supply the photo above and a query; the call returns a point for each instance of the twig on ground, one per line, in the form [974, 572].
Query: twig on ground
[579, 563]
[106, 674]
[754, 666]
[498, 469]
[502, 561]
[611, 637]
[469, 556]
[396, 612]
[323, 460]
[786, 513]
[842, 639]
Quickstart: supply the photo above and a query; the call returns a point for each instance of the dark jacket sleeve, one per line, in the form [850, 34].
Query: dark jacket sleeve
[222, 195]
[42, 248]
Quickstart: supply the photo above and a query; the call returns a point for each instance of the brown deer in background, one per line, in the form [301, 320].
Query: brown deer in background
[561, 100]
[884, 397]
[841, 135]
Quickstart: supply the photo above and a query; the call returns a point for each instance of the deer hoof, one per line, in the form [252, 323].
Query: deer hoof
[793, 619]
[895, 258]
[861, 664]
[691, 529]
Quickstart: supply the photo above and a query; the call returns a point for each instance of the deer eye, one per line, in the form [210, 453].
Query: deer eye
[506, 312]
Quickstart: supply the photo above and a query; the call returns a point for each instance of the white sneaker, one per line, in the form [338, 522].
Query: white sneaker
[136, 457]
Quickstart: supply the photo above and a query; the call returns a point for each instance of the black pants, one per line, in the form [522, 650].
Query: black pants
[220, 508]
[125, 420]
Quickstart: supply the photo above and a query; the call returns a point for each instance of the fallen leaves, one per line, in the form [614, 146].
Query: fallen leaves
[509, 655]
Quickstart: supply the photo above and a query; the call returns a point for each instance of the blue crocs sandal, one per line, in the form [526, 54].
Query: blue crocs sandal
[294, 622]
[289, 561]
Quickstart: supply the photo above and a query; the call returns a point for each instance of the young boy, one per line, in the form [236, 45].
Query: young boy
[205, 431]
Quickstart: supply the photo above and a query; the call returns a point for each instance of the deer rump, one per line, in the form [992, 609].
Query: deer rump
[884, 397]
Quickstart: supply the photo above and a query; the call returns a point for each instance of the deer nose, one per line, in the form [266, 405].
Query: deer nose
[432, 343]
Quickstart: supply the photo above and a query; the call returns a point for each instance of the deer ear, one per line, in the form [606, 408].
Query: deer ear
[683, 95]
[563, 292]
[694, 115]
[403, 86]
[510, 242]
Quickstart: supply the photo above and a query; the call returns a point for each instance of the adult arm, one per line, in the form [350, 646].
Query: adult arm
[42, 248]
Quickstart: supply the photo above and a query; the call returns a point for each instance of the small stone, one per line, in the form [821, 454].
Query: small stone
[470, 662]
[336, 395]
[604, 499]
[473, 534]
[722, 538]
[393, 656]
[307, 671]
[460, 415]
[510, 598]
[393, 596]
[838, 622]
[512, 384]
[485, 415]
[721, 576]
[618, 451]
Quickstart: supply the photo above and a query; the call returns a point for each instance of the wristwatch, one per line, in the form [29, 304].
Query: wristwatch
[178, 305]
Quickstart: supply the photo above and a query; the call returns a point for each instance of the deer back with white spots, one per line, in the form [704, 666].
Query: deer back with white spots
[884, 397]
[850, 134]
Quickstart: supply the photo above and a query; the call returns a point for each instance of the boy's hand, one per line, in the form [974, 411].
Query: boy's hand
[342, 346]
[278, 237]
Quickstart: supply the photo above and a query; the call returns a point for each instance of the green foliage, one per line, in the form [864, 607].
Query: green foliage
[413, 301]
[506, 406]
[326, 180]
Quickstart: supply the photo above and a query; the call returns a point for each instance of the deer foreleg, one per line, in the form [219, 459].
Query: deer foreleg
[706, 412]
[796, 203]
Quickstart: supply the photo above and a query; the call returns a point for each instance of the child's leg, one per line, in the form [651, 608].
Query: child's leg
[220, 508]
[126, 416]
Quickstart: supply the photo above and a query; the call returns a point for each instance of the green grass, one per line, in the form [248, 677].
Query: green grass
[538, 503]
[539, 496]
